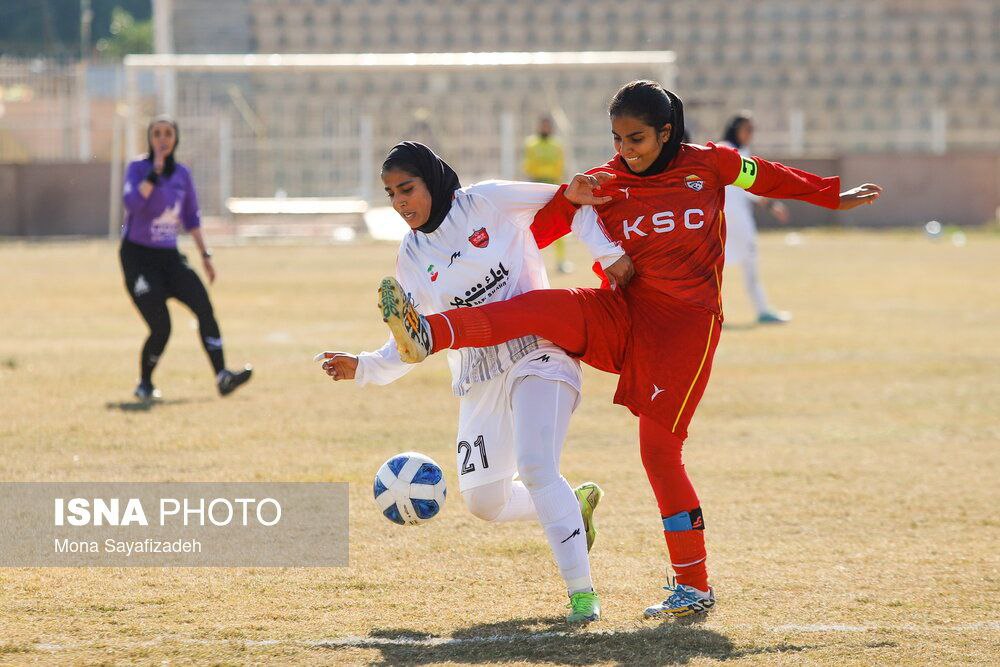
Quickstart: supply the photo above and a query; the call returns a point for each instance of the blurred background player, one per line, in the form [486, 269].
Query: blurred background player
[544, 162]
[470, 246]
[160, 199]
[741, 228]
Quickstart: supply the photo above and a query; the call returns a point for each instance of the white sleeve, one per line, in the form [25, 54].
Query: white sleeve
[517, 202]
[381, 366]
[588, 228]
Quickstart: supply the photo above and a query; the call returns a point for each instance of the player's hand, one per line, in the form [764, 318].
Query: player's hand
[338, 365]
[620, 273]
[859, 196]
[581, 189]
[780, 212]
[209, 269]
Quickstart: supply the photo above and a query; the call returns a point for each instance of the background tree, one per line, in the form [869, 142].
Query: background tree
[52, 27]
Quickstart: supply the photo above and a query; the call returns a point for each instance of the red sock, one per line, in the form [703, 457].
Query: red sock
[553, 314]
[684, 528]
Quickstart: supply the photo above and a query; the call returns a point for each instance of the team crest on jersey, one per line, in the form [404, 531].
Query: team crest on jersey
[480, 238]
[432, 272]
[694, 182]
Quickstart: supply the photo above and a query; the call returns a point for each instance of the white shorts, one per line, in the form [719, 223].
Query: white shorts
[485, 449]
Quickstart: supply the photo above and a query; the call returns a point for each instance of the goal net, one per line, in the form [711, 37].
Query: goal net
[293, 141]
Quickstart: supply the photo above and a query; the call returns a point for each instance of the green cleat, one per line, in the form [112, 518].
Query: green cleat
[589, 495]
[586, 607]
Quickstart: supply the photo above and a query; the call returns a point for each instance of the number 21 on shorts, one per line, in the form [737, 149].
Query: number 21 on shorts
[480, 444]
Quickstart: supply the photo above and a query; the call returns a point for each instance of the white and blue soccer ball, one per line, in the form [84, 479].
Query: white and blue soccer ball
[410, 489]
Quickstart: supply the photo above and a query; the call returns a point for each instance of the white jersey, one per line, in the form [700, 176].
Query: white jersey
[741, 228]
[482, 252]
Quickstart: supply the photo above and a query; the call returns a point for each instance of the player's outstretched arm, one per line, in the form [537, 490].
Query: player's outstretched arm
[381, 367]
[859, 196]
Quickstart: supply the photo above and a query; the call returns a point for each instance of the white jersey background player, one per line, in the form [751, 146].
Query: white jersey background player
[741, 228]
[471, 246]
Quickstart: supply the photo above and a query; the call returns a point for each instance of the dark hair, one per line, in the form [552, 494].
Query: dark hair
[168, 162]
[655, 106]
[733, 126]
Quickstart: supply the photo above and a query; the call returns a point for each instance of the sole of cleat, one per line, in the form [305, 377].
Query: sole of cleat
[678, 613]
[393, 311]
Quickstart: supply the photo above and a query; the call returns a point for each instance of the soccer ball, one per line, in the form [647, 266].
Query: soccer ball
[410, 489]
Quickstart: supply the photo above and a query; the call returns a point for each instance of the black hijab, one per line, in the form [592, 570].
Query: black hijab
[441, 180]
[168, 162]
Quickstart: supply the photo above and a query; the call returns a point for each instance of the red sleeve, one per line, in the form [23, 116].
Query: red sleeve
[605, 283]
[554, 220]
[776, 181]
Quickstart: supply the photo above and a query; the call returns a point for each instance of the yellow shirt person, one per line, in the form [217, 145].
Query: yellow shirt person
[543, 159]
[544, 162]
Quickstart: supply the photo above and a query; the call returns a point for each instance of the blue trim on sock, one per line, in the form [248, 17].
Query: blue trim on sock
[678, 522]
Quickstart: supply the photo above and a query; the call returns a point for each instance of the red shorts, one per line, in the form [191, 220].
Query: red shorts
[661, 348]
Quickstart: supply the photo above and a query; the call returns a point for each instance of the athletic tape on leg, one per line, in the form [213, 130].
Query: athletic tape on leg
[684, 521]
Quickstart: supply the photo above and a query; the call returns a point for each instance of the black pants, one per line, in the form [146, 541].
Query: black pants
[152, 275]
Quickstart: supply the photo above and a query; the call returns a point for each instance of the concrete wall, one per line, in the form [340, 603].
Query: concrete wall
[220, 26]
[54, 199]
[960, 189]
[957, 188]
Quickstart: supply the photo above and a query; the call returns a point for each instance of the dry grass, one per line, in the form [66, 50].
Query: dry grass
[847, 464]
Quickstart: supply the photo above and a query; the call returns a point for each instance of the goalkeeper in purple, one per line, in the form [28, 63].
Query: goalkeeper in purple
[160, 200]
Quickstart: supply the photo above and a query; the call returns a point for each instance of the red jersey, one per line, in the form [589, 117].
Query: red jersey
[672, 224]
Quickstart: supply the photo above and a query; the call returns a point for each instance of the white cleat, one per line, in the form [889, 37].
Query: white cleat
[147, 393]
[683, 601]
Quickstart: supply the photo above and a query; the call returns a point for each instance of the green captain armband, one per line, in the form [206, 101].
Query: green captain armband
[748, 174]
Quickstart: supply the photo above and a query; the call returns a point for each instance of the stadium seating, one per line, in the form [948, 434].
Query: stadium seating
[866, 75]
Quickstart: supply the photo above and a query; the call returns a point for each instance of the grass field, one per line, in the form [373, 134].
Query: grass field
[847, 464]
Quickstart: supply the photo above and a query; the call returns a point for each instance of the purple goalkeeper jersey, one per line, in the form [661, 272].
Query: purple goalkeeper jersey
[154, 222]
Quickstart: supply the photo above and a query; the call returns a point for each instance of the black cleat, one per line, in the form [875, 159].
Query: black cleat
[147, 393]
[228, 380]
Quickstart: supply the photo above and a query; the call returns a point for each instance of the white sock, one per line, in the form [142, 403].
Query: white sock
[559, 513]
[542, 410]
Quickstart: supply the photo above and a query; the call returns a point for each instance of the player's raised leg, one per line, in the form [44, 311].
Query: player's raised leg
[556, 315]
